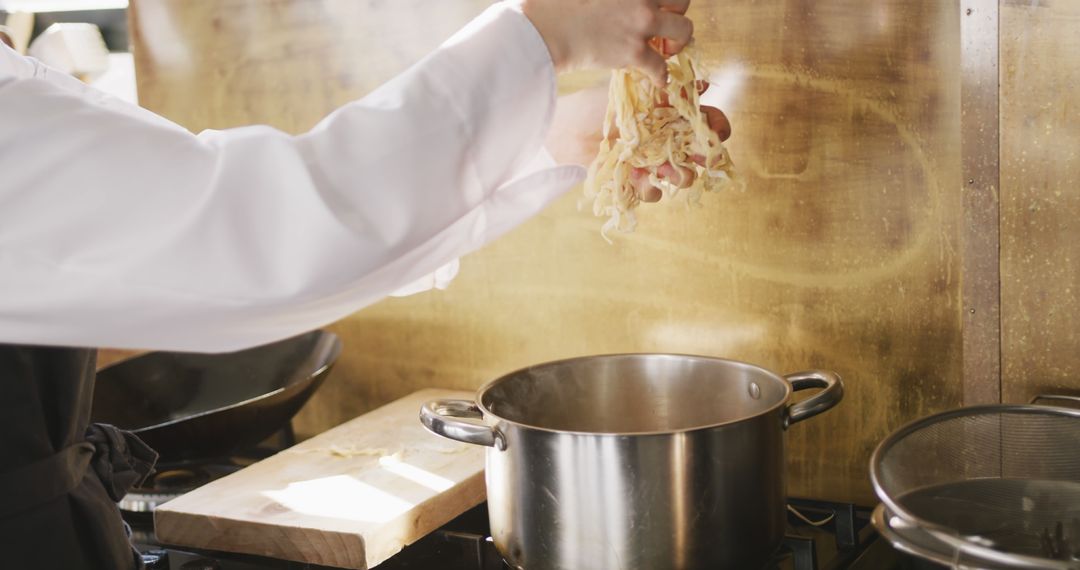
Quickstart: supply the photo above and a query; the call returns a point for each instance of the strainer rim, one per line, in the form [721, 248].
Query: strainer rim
[942, 533]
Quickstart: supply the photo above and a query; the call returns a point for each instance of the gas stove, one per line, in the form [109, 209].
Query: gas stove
[821, 535]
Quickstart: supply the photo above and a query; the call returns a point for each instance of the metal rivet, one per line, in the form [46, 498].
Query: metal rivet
[971, 181]
[972, 311]
[755, 391]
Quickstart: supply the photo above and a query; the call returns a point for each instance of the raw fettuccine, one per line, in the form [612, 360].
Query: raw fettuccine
[641, 132]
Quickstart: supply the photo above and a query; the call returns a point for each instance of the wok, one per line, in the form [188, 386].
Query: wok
[200, 406]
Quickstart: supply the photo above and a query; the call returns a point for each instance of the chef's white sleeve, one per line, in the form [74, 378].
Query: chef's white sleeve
[121, 230]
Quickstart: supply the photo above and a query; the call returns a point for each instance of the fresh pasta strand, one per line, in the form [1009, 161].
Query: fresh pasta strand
[639, 132]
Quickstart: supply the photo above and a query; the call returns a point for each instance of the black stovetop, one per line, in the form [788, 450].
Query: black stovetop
[827, 536]
[842, 539]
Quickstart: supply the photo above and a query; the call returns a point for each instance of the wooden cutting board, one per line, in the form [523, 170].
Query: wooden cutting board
[350, 497]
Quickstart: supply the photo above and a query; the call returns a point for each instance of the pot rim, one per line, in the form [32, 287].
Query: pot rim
[781, 403]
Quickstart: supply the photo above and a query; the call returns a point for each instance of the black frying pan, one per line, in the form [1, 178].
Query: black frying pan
[200, 406]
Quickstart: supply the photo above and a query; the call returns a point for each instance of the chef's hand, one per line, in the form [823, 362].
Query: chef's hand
[575, 137]
[611, 33]
[6, 37]
[680, 176]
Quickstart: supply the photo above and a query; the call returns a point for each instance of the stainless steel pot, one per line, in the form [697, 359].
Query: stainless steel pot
[635, 461]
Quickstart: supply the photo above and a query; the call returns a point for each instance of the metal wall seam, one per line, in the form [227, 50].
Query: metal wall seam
[981, 167]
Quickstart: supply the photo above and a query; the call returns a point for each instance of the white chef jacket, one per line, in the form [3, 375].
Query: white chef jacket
[119, 228]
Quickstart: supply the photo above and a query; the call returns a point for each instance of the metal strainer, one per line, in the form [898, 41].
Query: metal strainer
[994, 484]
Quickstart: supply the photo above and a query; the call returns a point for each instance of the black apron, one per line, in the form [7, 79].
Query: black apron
[60, 476]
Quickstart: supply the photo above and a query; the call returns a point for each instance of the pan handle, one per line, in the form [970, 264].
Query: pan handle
[831, 395]
[438, 416]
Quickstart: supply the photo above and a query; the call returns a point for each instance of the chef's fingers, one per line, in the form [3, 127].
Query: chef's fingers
[715, 118]
[676, 28]
[718, 122]
[7, 37]
[658, 44]
[677, 6]
[700, 84]
[651, 63]
[672, 47]
[700, 160]
[639, 179]
[680, 176]
[613, 133]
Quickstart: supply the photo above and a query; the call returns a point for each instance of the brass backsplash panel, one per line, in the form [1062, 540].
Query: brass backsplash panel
[842, 253]
[1040, 201]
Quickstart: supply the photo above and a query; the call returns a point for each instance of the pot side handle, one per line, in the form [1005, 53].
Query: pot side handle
[831, 395]
[438, 417]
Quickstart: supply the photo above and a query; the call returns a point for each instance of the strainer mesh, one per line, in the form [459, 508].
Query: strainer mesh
[1001, 477]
